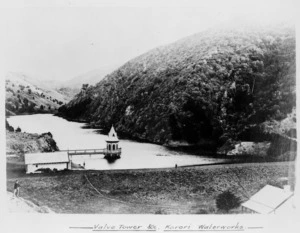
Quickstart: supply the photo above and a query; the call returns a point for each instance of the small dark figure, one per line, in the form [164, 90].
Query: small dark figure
[17, 189]
[84, 164]
[176, 165]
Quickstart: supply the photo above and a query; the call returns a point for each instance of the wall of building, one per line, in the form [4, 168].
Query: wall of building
[59, 166]
[112, 146]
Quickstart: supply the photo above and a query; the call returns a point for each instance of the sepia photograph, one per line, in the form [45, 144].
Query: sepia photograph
[149, 108]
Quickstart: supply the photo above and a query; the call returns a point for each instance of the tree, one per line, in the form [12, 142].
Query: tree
[31, 107]
[18, 129]
[42, 107]
[84, 86]
[227, 201]
[25, 100]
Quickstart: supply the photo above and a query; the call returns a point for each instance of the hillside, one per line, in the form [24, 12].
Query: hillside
[92, 77]
[71, 87]
[206, 89]
[18, 142]
[27, 95]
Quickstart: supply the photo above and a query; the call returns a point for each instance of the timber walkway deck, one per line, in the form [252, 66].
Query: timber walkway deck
[91, 151]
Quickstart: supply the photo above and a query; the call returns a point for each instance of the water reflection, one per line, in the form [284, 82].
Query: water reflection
[74, 135]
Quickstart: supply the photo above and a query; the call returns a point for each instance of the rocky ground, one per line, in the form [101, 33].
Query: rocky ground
[21, 142]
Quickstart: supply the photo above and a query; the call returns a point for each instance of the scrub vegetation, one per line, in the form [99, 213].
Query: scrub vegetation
[208, 89]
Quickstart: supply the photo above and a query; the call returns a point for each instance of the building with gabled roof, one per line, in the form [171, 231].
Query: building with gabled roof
[52, 160]
[268, 200]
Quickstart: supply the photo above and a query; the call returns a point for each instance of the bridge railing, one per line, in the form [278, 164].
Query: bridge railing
[92, 151]
[113, 151]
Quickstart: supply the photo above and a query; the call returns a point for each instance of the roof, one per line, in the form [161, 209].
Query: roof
[267, 199]
[51, 157]
[112, 135]
[287, 207]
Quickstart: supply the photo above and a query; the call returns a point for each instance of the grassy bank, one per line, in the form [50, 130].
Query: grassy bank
[161, 191]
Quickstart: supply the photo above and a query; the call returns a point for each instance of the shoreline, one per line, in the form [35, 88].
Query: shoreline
[194, 149]
[191, 148]
[125, 136]
[11, 165]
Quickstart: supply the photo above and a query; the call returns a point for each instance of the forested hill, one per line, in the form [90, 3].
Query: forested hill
[204, 89]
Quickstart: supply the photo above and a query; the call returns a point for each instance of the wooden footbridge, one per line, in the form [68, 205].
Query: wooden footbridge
[62, 159]
[106, 152]
[112, 150]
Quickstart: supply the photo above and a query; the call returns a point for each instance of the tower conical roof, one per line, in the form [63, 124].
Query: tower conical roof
[112, 135]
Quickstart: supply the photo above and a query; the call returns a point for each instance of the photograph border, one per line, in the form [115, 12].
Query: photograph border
[15, 222]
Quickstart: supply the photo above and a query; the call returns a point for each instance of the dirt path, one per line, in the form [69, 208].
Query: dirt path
[20, 205]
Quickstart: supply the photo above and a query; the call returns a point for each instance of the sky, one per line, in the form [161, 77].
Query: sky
[64, 39]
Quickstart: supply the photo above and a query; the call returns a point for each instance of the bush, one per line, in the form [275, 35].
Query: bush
[227, 201]
[160, 211]
[287, 156]
[18, 129]
[202, 211]
[26, 102]
[9, 127]
[280, 145]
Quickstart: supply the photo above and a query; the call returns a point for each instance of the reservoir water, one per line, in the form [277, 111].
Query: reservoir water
[73, 135]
